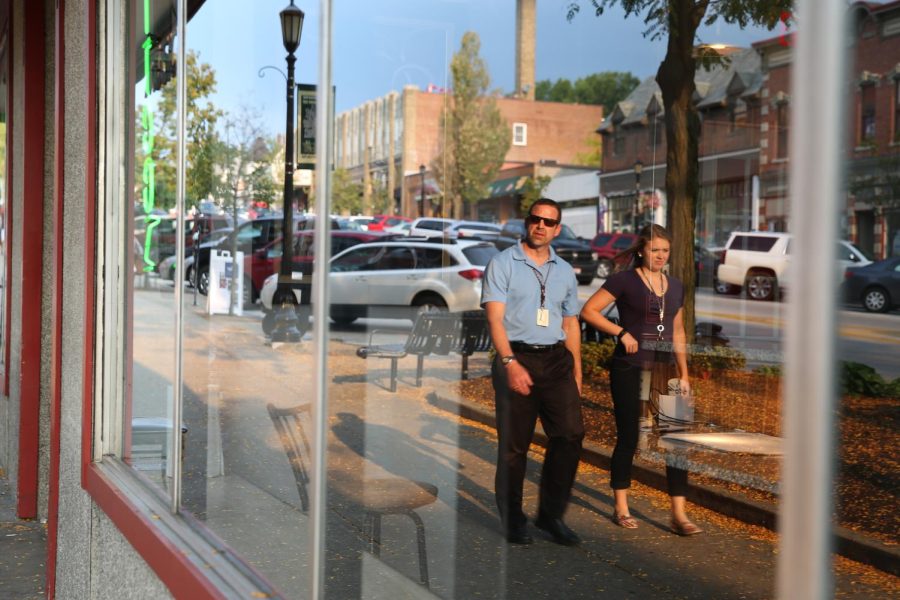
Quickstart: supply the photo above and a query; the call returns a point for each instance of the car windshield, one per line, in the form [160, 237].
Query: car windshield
[480, 255]
[567, 234]
[602, 239]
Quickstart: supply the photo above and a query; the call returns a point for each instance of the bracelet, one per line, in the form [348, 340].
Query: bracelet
[621, 334]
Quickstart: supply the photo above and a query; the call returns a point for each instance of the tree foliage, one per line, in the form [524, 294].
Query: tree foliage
[677, 21]
[605, 89]
[346, 194]
[201, 137]
[475, 136]
[532, 191]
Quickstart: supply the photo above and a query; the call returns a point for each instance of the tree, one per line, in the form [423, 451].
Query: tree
[604, 89]
[475, 136]
[201, 141]
[678, 21]
[242, 159]
[532, 191]
[346, 194]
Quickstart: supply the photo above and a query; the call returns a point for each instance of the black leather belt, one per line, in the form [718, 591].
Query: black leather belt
[523, 347]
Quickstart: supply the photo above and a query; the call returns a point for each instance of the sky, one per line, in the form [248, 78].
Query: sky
[382, 45]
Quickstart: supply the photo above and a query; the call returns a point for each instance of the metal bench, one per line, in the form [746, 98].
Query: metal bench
[438, 333]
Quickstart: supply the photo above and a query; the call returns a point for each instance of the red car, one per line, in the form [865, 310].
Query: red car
[607, 246]
[380, 222]
[267, 260]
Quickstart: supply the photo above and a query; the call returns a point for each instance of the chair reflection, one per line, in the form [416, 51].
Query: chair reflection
[375, 497]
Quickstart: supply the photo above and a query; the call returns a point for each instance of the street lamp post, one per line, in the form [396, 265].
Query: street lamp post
[422, 191]
[638, 168]
[286, 321]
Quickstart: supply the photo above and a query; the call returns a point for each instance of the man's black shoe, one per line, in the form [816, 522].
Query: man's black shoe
[559, 531]
[519, 535]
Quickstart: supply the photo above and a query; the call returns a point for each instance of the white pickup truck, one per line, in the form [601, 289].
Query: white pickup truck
[759, 261]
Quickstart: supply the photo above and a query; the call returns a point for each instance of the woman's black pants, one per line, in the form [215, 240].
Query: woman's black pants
[625, 384]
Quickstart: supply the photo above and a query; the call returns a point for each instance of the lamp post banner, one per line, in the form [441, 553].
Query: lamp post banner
[306, 126]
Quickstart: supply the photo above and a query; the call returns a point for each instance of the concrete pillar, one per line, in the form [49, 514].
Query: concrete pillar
[526, 26]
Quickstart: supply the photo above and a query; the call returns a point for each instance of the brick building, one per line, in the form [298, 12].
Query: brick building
[872, 215]
[745, 110]
[389, 138]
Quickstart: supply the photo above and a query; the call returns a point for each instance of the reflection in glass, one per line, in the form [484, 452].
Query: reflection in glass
[151, 234]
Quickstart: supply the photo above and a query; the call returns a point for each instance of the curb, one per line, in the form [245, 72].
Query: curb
[847, 543]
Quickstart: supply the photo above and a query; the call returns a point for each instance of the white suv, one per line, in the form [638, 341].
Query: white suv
[397, 279]
[759, 262]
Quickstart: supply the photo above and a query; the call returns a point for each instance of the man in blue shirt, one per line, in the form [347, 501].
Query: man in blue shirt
[530, 296]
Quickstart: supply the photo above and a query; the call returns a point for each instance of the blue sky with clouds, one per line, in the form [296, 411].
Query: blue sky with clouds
[382, 45]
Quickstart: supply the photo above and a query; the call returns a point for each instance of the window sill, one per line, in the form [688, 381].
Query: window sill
[776, 161]
[864, 149]
[184, 560]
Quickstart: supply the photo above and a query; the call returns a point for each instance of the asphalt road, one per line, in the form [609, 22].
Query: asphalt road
[753, 327]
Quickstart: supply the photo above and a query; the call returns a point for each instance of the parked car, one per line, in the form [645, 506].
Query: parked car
[429, 226]
[759, 260]
[876, 286]
[706, 264]
[476, 230]
[251, 236]
[574, 250]
[382, 222]
[267, 260]
[397, 279]
[607, 246]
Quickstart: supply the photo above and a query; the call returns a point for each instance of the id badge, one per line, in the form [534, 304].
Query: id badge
[543, 317]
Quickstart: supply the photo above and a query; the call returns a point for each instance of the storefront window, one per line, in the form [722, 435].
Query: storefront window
[385, 370]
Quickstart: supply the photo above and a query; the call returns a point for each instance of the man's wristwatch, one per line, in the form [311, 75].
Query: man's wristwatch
[621, 334]
[505, 360]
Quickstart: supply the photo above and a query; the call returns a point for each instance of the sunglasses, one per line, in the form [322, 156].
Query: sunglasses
[534, 220]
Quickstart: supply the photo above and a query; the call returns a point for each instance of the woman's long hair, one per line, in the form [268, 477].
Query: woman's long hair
[631, 257]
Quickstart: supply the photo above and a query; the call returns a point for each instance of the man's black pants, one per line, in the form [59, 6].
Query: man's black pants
[554, 398]
[625, 385]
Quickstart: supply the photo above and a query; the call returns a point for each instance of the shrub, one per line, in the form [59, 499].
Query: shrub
[718, 358]
[768, 370]
[596, 357]
[857, 378]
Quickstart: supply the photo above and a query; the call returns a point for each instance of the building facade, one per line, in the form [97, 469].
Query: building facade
[387, 140]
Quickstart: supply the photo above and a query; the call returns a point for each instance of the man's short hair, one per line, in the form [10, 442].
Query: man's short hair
[547, 202]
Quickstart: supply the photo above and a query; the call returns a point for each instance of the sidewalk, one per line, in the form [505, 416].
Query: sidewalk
[23, 550]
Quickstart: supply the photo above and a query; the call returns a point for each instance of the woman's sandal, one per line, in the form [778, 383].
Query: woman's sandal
[684, 528]
[625, 521]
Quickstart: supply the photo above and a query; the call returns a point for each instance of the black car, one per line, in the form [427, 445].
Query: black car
[574, 250]
[876, 286]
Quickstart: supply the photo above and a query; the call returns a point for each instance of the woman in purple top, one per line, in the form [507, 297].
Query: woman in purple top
[650, 311]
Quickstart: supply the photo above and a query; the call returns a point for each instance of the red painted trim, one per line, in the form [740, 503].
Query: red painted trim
[56, 307]
[32, 229]
[90, 244]
[7, 219]
[183, 578]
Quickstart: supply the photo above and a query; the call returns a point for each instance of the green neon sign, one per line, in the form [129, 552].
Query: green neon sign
[148, 173]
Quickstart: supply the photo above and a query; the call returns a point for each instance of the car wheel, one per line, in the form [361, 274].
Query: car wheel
[428, 303]
[605, 268]
[725, 288]
[189, 276]
[342, 319]
[203, 283]
[761, 286]
[876, 299]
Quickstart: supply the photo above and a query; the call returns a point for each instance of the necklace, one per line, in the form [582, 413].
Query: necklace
[660, 298]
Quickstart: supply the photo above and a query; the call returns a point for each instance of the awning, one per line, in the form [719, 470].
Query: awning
[506, 187]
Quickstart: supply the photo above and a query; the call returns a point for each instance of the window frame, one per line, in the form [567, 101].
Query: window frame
[520, 134]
